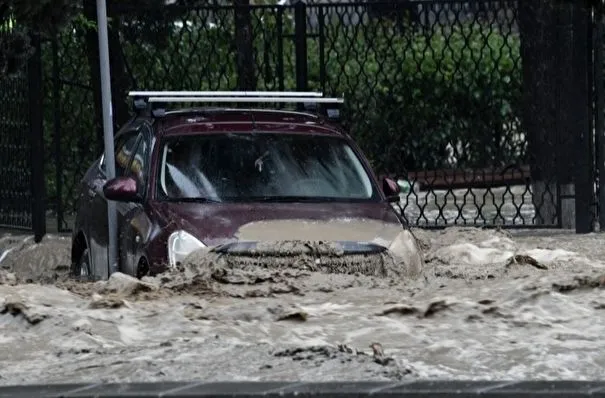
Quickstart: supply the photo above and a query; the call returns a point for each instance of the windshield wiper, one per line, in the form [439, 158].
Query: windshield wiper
[289, 199]
[200, 199]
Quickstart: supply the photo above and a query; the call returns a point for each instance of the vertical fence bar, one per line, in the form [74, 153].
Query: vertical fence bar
[581, 115]
[244, 42]
[300, 44]
[590, 103]
[599, 111]
[565, 190]
[280, 48]
[57, 134]
[34, 69]
[322, 45]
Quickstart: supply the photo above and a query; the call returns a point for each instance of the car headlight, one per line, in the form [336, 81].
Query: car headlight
[405, 247]
[180, 245]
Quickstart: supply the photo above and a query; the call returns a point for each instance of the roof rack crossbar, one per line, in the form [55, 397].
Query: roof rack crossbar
[249, 99]
[224, 94]
[153, 101]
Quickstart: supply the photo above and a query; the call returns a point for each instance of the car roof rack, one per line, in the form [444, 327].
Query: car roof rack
[153, 102]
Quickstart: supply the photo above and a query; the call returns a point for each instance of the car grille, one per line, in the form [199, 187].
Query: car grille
[371, 263]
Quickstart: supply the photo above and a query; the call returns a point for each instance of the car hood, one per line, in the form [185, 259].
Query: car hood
[217, 223]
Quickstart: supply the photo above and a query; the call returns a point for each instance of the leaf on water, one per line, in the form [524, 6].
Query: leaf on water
[524, 259]
[378, 354]
[108, 302]
[289, 314]
[293, 316]
[16, 308]
[435, 307]
[401, 309]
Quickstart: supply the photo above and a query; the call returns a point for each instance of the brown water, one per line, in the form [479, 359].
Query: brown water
[488, 305]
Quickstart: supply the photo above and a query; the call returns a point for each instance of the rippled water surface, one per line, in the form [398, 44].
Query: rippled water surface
[489, 305]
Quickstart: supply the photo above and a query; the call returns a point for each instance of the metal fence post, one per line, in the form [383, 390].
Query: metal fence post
[300, 44]
[34, 70]
[56, 96]
[581, 123]
[280, 48]
[108, 135]
[322, 49]
[599, 84]
[244, 42]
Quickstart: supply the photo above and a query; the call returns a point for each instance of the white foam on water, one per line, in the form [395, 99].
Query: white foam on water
[5, 253]
[471, 254]
[130, 334]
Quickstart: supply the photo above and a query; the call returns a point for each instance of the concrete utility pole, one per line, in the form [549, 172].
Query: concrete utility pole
[107, 132]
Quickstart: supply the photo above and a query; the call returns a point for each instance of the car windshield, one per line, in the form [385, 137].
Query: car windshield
[240, 167]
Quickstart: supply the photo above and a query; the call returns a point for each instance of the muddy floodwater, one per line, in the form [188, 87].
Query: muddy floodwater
[487, 305]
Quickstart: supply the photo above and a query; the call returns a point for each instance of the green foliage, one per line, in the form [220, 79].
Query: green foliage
[411, 94]
[196, 54]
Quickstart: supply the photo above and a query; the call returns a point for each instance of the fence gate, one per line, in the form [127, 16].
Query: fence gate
[21, 145]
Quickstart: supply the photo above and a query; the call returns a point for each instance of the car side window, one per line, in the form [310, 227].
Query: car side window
[124, 147]
[124, 152]
[138, 166]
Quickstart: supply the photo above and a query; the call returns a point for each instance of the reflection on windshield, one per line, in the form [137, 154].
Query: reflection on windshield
[240, 167]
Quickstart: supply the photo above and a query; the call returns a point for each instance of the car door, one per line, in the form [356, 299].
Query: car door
[134, 224]
[98, 235]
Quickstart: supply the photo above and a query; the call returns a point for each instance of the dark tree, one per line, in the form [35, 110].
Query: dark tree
[19, 19]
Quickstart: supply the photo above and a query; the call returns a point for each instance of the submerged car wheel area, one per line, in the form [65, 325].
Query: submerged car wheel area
[249, 184]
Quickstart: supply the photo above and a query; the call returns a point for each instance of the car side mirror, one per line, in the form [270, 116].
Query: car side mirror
[391, 189]
[122, 189]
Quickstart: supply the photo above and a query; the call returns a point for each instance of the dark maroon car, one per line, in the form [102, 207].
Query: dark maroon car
[227, 179]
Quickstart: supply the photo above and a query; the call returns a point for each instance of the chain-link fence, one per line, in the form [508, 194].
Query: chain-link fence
[21, 136]
[15, 148]
[482, 110]
[15, 151]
